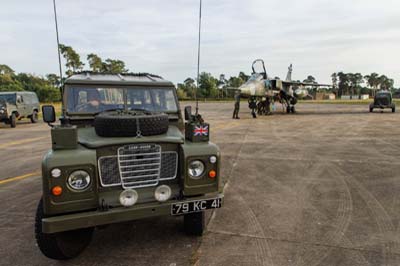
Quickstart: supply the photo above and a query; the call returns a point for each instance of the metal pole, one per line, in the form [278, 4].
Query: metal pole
[58, 40]
[198, 61]
[59, 57]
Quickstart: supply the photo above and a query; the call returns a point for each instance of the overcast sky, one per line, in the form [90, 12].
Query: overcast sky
[318, 36]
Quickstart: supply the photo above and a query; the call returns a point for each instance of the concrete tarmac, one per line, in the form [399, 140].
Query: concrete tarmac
[320, 187]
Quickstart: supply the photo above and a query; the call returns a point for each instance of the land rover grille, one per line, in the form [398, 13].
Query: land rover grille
[139, 165]
[382, 101]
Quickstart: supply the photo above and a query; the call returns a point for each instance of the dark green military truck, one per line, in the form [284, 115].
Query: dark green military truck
[121, 154]
[17, 105]
[383, 100]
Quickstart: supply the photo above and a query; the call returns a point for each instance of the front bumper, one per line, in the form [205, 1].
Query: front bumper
[382, 106]
[115, 215]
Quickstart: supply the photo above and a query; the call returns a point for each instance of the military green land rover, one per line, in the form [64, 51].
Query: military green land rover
[383, 100]
[122, 152]
[15, 105]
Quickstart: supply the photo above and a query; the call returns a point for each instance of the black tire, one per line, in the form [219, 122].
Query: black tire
[393, 109]
[124, 124]
[371, 109]
[13, 120]
[34, 117]
[60, 246]
[194, 223]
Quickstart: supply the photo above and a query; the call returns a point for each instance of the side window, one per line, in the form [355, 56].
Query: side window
[164, 99]
[19, 99]
[170, 102]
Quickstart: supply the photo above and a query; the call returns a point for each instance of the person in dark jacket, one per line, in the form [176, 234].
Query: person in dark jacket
[237, 106]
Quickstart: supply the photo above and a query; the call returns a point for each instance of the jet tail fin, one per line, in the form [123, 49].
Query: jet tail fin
[289, 73]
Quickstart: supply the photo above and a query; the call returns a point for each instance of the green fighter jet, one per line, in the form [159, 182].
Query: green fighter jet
[261, 91]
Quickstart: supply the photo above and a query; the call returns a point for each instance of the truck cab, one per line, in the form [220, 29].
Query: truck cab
[122, 152]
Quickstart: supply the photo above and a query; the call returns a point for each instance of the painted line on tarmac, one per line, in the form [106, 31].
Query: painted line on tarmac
[21, 142]
[12, 179]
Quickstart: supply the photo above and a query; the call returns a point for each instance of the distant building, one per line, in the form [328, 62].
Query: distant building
[325, 96]
[329, 96]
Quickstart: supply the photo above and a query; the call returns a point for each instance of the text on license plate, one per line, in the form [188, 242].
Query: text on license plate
[195, 206]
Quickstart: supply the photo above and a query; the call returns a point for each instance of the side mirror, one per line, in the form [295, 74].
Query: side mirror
[188, 113]
[49, 114]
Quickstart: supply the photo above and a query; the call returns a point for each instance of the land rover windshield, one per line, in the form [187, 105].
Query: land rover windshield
[8, 97]
[96, 100]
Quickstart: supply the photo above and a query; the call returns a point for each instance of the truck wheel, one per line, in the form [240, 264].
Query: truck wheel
[34, 117]
[13, 120]
[60, 246]
[194, 223]
[393, 109]
[125, 123]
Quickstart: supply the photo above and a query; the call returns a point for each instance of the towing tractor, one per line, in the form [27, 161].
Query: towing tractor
[122, 151]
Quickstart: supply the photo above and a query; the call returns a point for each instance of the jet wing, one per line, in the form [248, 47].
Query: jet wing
[290, 83]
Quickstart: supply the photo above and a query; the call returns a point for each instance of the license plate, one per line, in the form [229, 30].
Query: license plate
[195, 206]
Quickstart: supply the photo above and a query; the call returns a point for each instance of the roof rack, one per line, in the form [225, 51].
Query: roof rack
[121, 75]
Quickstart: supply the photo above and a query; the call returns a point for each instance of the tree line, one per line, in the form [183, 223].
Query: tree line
[353, 84]
[210, 86]
[357, 84]
[47, 87]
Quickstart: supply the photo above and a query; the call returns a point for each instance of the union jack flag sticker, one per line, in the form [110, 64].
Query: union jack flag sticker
[201, 130]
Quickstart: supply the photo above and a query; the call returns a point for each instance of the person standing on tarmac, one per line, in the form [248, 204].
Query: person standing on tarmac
[237, 106]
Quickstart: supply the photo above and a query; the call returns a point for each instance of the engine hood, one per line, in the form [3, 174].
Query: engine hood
[88, 138]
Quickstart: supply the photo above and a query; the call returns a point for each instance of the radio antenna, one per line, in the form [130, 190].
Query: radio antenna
[198, 62]
[59, 56]
[58, 40]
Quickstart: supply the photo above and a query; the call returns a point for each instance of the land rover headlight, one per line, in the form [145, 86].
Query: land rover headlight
[79, 180]
[196, 169]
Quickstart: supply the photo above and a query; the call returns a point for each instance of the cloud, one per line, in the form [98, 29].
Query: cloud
[318, 37]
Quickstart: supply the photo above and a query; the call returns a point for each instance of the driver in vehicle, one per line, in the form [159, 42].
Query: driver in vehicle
[91, 102]
[93, 99]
